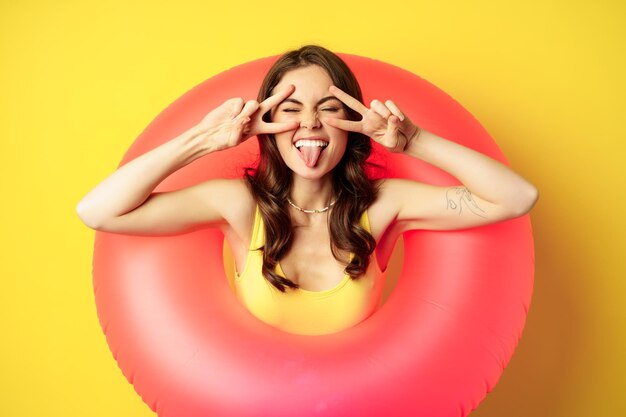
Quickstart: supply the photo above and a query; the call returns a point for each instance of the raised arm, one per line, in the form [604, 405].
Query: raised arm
[490, 191]
[125, 202]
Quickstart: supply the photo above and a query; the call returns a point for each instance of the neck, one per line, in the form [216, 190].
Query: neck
[311, 194]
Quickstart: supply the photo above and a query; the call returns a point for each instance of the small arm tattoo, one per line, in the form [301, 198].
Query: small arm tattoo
[459, 197]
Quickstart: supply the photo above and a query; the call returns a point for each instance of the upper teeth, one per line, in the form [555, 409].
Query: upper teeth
[306, 142]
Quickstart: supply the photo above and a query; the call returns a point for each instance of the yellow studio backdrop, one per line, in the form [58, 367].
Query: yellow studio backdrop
[80, 80]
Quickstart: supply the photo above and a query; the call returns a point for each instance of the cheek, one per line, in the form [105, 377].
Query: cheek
[334, 132]
[284, 117]
[343, 148]
[284, 142]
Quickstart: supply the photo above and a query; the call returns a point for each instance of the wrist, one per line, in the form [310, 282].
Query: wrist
[413, 139]
[192, 144]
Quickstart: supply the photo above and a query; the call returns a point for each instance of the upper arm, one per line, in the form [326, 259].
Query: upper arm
[423, 206]
[215, 202]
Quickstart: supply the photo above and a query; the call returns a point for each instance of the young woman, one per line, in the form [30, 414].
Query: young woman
[311, 234]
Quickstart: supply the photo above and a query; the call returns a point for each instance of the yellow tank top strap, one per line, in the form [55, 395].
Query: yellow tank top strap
[258, 233]
[256, 241]
[365, 221]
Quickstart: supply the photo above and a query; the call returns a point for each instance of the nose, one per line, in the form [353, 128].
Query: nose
[310, 121]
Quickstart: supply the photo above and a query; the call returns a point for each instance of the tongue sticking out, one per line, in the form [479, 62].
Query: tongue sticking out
[310, 155]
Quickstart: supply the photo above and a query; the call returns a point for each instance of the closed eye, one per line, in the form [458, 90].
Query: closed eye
[328, 109]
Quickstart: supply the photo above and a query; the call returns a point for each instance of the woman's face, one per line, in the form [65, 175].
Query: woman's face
[315, 148]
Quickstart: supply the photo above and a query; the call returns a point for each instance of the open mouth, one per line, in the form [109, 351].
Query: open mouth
[310, 150]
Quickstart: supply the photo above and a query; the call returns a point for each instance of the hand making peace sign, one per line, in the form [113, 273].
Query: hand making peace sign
[384, 123]
[234, 121]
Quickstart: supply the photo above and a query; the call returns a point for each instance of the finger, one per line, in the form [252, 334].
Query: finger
[348, 100]
[393, 126]
[249, 108]
[237, 133]
[395, 109]
[380, 108]
[347, 125]
[277, 98]
[279, 127]
[236, 106]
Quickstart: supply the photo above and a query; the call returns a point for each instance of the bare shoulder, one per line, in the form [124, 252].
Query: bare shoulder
[232, 198]
[387, 213]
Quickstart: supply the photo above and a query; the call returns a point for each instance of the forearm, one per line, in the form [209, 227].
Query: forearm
[480, 174]
[131, 184]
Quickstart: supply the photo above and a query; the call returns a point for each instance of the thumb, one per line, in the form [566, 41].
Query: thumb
[236, 106]
[238, 133]
[393, 127]
[393, 124]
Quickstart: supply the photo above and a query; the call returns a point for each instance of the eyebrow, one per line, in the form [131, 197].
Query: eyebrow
[324, 100]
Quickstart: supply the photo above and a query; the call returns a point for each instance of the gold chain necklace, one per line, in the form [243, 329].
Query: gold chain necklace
[310, 211]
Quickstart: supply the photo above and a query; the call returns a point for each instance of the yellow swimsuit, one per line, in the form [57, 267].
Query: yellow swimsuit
[301, 311]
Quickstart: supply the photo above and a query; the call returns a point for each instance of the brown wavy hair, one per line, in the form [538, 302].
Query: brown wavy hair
[354, 191]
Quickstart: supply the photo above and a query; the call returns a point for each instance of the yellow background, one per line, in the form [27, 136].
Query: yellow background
[80, 81]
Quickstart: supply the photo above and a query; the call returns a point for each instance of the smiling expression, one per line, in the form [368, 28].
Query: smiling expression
[310, 104]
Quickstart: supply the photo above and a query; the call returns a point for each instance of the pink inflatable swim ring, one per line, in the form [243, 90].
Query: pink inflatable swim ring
[435, 348]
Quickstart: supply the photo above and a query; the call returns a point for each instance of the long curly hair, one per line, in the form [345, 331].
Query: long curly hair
[270, 182]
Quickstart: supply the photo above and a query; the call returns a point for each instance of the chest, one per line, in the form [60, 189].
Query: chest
[310, 262]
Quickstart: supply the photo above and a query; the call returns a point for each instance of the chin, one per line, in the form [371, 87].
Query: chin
[315, 173]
